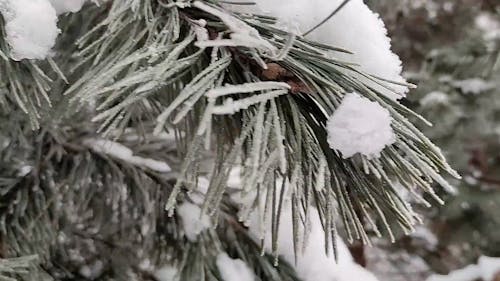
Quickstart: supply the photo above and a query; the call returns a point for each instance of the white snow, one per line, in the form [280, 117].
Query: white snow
[425, 235]
[198, 195]
[233, 269]
[359, 125]
[64, 6]
[234, 178]
[485, 269]
[231, 106]
[246, 88]
[92, 271]
[489, 267]
[394, 264]
[193, 221]
[124, 153]
[201, 33]
[166, 273]
[241, 34]
[31, 25]
[473, 85]
[31, 28]
[434, 98]
[355, 28]
[489, 25]
[313, 263]
[24, 170]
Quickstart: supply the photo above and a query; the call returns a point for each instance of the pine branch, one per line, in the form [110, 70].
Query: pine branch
[9, 268]
[198, 72]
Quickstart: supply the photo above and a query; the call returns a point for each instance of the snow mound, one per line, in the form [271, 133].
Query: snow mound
[434, 98]
[485, 269]
[489, 25]
[233, 269]
[312, 263]
[193, 221]
[355, 28]
[473, 86]
[65, 6]
[167, 273]
[31, 28]
[360, 126]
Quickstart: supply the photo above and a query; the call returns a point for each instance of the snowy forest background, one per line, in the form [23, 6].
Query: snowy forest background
[450, 49]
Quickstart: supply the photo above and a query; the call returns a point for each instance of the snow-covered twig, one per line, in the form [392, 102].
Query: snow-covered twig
[119, 151]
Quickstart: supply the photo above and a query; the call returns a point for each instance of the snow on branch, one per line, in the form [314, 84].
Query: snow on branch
[473, 86]
[485, 269]
[233, 269]
[360, 126]
[241, 33]
[65, 6]
[246, 88]
[311, 261]
[193, 220]
[11, 266]
[30, 27]
[231, 106]
[119, 151]
[354, 28]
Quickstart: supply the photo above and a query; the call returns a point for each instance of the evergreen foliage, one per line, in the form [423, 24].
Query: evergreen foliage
[137, 73]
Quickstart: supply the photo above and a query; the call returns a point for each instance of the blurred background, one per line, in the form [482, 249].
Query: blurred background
[450, 49]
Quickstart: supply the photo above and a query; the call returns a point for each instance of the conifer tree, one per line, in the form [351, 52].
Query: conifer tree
[202, 140]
